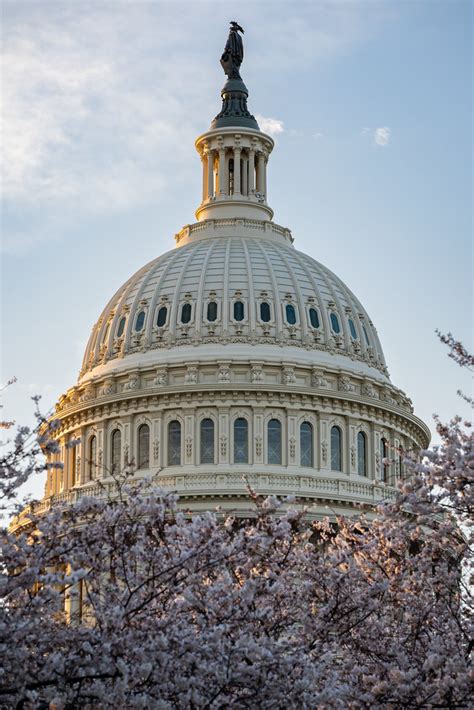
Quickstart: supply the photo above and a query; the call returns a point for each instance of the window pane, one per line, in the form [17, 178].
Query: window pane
[313, 317]
[92, 457]
[336, 453]
[161, 319]
[335, 323]
[106, 333]
[352, 329]
[207, 441]
[265, 312]
[186, 313]
[361, 454]
[306, 444]
[241, 441]
[121, 327]
[144, 446]
[274, 441]
[116, 450]
[174, 444]
[238, 310]
[383, 455]
[367, 342]
[212, 311]
[290, 314]
[140, 321]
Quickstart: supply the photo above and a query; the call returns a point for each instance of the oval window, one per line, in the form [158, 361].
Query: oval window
[238, 310]
[265, 312]
[140, 322]
[335, 323]
[121, 327]
[212, 311]
[313, 317]
[352, 329]
[186, 313]
[161, 318]
[290, 314]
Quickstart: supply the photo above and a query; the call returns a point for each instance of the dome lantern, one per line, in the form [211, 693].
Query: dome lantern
[234, 152]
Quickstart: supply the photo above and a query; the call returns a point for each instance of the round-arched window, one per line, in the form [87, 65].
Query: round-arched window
[174, 443]
[352, 329]
[306, 444]
[241, 440]
[186, 313]
[121, 326]
[336, 449]
[238, 310]
[161, 317]
[140, 322]
[314, 317]
[265, 315]
[116, 450]
[212, 311]
[274, 441]
[335, 323]
[290, 314]
[207, 441]
[144, 446]
[361, 454]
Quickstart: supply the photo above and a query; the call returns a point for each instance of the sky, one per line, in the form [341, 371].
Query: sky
[370, 104]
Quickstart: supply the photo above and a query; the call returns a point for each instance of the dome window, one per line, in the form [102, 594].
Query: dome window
[265, 314]
[116, 450]
[336, 449]
[361, 454]
[314, 317]
[92, 462]
[239, 310]
[212, 311]
[335, 323]
[274, 441]
[144, 446]
[352, 329]
[241, 440]
[290, 314]
[140, 322]
[186, 313]
[121, 326]
[162, 316]
[174, 443]
[106, 334]
[384, 467]
[306, 444]
[207, 441]
[367, 341]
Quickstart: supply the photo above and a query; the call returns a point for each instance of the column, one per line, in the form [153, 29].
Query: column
[237, 152]
[245, 174]
[222, 173]
[251, 180]
[210, 174]
[261, 173]
[204, 176]
[265, 176]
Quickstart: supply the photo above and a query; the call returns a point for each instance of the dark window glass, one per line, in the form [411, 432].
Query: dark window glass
[106, 333]
[306, 444]
[265, 312]
[92, 462]
[121, 327]
[352, 329]
[361, 454]
[73, 464]
[207, 441]
[241, 441]
[161, 318]
[336, 449]
[335, 323]
[238, 310]
[174, 444]
[144, 446]
[313, 317]
[290, 314]
[212, 311]
[140, 321]
[367, 342]
[186, 313]
[274, 441]
[116, 450]
[383, 455]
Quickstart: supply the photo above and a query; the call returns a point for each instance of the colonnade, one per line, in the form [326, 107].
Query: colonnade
[233, 171]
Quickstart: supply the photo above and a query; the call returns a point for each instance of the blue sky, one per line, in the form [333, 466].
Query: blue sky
[370, 104]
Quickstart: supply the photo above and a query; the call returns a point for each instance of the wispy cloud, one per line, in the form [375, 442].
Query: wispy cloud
[382, 136]
[272, 126]
[317, 136]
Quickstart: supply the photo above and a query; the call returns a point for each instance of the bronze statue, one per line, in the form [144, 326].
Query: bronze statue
[233, 52]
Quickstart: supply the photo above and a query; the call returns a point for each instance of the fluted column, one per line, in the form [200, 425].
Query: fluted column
[222, 173]
[251, 171]
[210, 174]
[204, 177]
[261, 173]
[245, 174]
[237, 152]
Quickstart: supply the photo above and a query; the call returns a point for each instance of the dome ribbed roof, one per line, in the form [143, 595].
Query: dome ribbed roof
[224, 269]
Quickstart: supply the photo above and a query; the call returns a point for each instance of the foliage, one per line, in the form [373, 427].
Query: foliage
[211, 611]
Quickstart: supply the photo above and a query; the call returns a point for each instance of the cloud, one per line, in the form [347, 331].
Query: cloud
[364, 130]
[317, 136]
[382, 136]
[272, 126]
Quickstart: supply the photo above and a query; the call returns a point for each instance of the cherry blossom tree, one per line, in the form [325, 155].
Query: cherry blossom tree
[127, 601]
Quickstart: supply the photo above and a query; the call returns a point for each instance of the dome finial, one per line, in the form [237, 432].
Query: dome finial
[234, 110]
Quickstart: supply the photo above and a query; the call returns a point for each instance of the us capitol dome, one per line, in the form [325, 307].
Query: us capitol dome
[234, 359]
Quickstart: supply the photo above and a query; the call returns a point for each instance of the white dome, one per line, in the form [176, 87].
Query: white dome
[242, 266]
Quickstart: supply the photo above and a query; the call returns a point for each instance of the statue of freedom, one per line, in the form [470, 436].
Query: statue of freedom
[233, 52]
